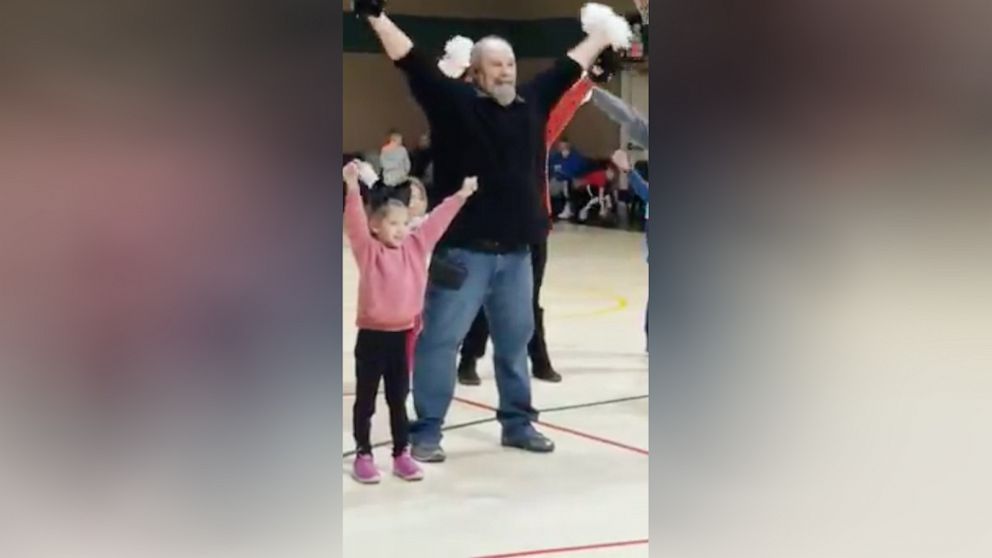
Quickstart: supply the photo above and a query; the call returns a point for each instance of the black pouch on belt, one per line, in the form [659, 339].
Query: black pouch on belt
[446, 273]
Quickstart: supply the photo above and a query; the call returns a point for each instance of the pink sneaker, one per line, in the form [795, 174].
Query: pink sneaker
[406, 468]
[364, 470]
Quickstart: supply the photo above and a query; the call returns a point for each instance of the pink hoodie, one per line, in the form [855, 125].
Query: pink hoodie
[392, 281]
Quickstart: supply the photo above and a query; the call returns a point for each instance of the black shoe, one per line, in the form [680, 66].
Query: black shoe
[535, 443]
[467, 376]
[544, 371]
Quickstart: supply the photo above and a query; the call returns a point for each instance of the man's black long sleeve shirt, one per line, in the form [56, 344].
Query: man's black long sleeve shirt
[473, 135]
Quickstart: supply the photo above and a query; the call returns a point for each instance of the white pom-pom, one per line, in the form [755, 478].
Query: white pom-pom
[453, 71]
[600, 20]
[367, 174]
[457, 56]
[459, 49]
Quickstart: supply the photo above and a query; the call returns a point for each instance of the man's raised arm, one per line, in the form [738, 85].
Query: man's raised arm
[586, 52]
[604, 28]
[394, 41]
[432, 90]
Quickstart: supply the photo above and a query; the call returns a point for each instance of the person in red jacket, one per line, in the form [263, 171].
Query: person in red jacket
[474, 344]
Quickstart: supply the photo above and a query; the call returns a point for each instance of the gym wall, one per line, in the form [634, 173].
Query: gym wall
[376, 97]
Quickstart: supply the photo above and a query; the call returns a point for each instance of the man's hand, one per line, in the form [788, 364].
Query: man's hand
[605, 66]
[368, 8]
[604, 28]
[469, 187]
[350, 174]
[395, 42]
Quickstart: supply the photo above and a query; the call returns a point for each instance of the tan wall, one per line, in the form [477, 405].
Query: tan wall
[376, 98]
[496, 9]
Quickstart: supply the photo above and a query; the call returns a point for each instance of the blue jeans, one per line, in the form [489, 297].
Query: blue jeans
[503, 284]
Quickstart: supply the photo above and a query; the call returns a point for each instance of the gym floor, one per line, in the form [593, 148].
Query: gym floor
[588, 498]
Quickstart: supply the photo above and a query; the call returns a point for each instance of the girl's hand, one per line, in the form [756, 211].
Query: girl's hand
[367, 174]
[469, 187]
[350, 174]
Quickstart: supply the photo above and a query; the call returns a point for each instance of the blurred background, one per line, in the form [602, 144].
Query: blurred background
[821, 357]
[170, 278]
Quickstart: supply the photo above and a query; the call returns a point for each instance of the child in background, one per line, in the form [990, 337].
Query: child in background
[392, 264]
[394, 160]
[596, 183]
[418, 215]
[418, 203]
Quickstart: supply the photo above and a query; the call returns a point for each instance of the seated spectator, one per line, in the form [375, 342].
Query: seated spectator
[564, 166]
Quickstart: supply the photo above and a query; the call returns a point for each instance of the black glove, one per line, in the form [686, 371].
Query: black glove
[368, 8]
[605, 66]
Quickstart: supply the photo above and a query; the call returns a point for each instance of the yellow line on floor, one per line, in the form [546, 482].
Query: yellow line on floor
[619, 303]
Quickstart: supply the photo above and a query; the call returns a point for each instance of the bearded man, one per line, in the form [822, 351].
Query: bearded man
[493, 129]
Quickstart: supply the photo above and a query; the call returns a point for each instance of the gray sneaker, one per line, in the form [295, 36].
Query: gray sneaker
[428, 454]
[534, 442]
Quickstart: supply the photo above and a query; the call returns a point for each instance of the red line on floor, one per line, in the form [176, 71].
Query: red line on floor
[562, 429]
[475, 404]
[571, 431]
[593, 438]
[564, 550]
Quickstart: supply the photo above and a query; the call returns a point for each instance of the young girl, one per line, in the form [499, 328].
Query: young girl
[392, 265]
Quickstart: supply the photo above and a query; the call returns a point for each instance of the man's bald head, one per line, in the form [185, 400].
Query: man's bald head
[493, 66]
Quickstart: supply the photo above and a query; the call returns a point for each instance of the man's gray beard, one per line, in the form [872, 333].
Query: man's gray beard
[504, 94]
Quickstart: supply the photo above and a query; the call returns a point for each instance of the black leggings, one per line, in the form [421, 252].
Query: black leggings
[381, 354]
